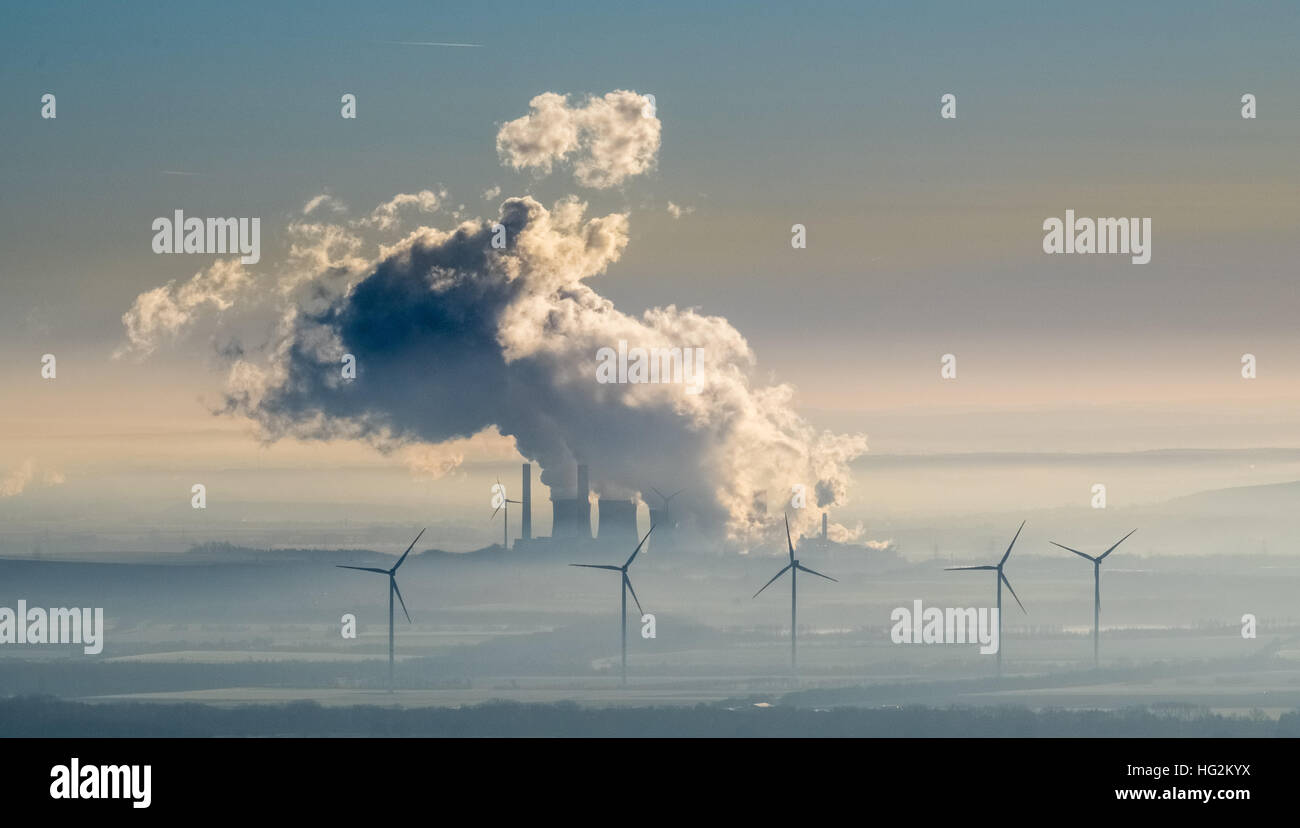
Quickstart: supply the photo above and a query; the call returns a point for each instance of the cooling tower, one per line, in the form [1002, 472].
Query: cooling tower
[526, 502]
[571, 516]
[617, 527]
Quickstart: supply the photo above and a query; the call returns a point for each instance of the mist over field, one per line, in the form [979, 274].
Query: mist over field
[231, 624]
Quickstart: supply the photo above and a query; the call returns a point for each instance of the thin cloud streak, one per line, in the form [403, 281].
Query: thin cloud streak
[431, 43]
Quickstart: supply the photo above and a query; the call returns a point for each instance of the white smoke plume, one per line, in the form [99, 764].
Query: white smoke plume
[165, 311]
[454, 337]
[386, 215]
[609, 138]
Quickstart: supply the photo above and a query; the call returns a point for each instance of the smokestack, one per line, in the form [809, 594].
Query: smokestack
[823, 526]
[584, 502]
[526, 496]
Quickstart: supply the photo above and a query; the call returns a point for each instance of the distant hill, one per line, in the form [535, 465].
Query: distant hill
[1276, 499]
[221, 552]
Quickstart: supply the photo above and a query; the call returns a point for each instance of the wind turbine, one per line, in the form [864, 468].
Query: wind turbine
[1002, 578]
[626, 588]
[666, 498]
[1096, 593]
[793, 567]
[505, 504]
[392, 590]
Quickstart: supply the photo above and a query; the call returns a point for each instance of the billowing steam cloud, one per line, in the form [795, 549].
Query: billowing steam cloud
[453, 337]
[610, 138]
[167, 310]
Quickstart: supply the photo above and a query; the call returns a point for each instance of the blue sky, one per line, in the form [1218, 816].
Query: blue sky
[924, 234]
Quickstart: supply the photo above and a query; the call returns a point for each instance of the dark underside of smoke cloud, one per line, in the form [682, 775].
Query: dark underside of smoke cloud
[430, 368]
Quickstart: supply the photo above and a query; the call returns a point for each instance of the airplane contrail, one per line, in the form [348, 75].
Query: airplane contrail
[431, 43]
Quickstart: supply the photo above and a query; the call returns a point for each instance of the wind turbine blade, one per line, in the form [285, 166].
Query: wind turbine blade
[599, 566]
[774, 577]
[815, 572]
[1112, 549]
[789, 542]
[638, 547]
[364, 569]
[674, 494]
[494, 511]
[1075, 551]
[965, 568]
[407, 552]
[1013, 593]
[508, 500]
[628, 583]
[661, 494]
[1013, 543]
[399, 599]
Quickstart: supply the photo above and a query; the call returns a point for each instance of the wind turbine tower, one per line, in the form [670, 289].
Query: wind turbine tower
[1096, 593]
[500, 491]
[794, 568]
[625, 589]
[392, 590]
[1001, 579]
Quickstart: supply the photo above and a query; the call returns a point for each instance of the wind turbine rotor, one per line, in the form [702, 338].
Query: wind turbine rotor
[814, 572]
[407, 552]
[627, 582]
[774, 577]
[398, 593]
[1117, 543]
[1013, 543]
[1013, 592]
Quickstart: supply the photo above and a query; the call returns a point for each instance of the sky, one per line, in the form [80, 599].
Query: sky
[924, 234]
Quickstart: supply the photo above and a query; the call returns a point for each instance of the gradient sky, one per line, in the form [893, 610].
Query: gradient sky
[924, 234]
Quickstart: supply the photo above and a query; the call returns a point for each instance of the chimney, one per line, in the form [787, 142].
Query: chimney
[584, 501]
[823, 526]
[526, 496]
